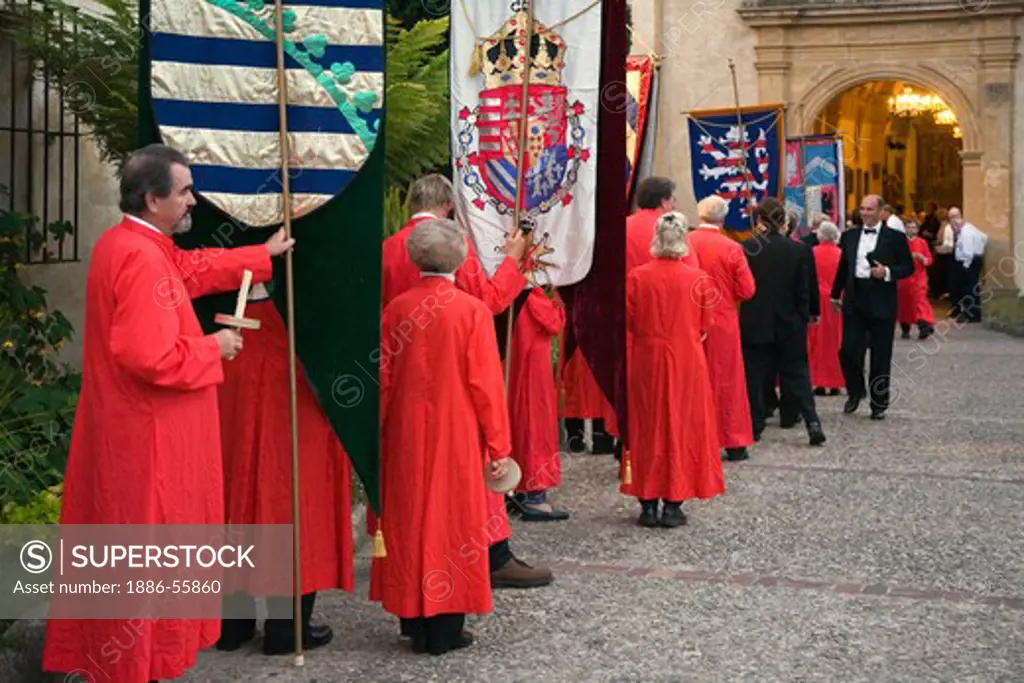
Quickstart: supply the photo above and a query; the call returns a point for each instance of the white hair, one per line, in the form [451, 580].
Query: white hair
[437, 246]
[828, 232]
[712, 209]
[670, 236]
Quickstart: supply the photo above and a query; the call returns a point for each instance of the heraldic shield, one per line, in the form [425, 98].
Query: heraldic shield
[213, 84]
[554, 137]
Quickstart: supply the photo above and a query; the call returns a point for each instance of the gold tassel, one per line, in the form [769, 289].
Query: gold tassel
[627, 477]
[477, 61]
[379, 550]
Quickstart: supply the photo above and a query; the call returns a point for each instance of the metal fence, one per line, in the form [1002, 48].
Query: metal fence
[40, 151]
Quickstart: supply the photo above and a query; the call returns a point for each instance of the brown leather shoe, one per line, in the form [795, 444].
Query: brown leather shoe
[517, 574]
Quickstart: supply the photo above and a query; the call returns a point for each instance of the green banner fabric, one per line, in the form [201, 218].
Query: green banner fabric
[337, 276]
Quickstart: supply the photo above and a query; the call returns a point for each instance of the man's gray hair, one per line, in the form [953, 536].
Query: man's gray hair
[437, 246]
[148, 171]
[429, 192]
[792, 219]
[712, 209]
[670, 236]
[828, 232]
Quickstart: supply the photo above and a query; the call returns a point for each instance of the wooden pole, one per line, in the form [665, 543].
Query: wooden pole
[742, 140]
[286, 211]
[524, 109]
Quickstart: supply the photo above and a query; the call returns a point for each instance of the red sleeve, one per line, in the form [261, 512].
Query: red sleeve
[922, 248]
[145, 334]
[549, 315]
[497, 292]
[743, 280]
[208, 271]
[487, 388]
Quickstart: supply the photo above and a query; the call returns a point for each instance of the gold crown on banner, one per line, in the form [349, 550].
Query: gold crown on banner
[501, 57]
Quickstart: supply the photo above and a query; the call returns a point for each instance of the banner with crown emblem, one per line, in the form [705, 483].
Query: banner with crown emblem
[639, 78]
[558, 173]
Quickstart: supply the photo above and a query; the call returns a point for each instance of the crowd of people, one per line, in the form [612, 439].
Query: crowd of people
[720, 335]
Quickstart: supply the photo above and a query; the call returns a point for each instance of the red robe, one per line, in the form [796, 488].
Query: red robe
[639, 233]
[532, 399]
[443, 418]
[674, 451]
[400, 274]
[582, 397]
[731, 283]
[145, 447]
[256, 443]
[912, 292]
[826, 338]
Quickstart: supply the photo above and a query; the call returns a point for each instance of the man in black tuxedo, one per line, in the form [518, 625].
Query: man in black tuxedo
[874, 258]
[773, 324]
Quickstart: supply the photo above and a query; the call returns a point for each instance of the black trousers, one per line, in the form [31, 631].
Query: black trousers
[242, 607]
[964, 281]
[861, 331]
[787, 358]
[437, 634]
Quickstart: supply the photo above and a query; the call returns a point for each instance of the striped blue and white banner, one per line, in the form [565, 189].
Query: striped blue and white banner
[215, 97]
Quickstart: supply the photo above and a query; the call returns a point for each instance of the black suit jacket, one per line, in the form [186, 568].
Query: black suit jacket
[876, 297]
[781, 305]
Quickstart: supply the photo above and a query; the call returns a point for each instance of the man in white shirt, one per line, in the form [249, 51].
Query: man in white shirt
[969, 245]
[892, 220]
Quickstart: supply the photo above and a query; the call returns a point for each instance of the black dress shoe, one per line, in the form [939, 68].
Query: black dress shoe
[672, 516]
[852, 403]
[529, 513]
[833, 392]
[819, 391]
[815, 433]
[465, 639]
[789, 422]
[736, 454]
[878, 414]
[314, 637]
[234, 633]
[648, 516]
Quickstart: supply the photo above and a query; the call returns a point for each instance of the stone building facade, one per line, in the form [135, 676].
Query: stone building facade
[805, 54]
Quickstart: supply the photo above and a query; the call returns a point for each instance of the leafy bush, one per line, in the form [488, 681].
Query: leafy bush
[43, 508]
[38, 394]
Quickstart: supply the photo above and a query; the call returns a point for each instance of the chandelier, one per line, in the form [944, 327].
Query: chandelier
[957, 133]
[909, 104]
[946, 117]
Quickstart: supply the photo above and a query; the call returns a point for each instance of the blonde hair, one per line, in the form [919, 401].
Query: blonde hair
[828, 232]
[712, 209]
[429, 192]
[670, 236]
[437, 246]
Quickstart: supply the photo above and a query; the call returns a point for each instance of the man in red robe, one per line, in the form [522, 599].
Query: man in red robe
[533, 409]
[826, 338]
[912, 292]
[145, 448]
[655, 196]
[729, 283]
[431, 197]
[674, 453]
[444, 430]
[257, 451]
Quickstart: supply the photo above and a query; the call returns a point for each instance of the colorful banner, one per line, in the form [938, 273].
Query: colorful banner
[639, 76]
[558, 174]
[742, 172]
[815, 178]
[208, 86]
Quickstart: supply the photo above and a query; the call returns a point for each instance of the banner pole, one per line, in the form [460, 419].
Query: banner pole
[742, 141]
[286, 211]
[524, 110]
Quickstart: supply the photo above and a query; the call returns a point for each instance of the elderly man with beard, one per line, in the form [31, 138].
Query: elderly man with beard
[145, 448]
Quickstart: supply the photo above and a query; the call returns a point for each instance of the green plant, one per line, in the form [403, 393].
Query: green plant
[38, 394]
[43, 508]
[92, 55]
[396, 210]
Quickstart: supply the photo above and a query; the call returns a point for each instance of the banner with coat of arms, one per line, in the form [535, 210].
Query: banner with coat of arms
[814, 179]
[743, 172]
[639, 78]
[558, 174]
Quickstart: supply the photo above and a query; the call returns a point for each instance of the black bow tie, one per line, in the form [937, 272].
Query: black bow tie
[870, 231]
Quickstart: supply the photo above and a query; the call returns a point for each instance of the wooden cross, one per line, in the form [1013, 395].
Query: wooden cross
[238, 320]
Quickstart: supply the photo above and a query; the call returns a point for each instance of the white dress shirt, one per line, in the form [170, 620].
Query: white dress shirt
[144, 223]
[896, 223]
[867, 244]
[447, 276]
[970, 244]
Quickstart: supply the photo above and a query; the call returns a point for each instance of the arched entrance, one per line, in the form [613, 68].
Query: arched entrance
[900, 141]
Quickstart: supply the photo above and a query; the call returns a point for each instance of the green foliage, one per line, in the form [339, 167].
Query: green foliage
[96, 65]
[37, 393]
[411, 12]
[396, 210]
[43, 508]
[416, 134]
